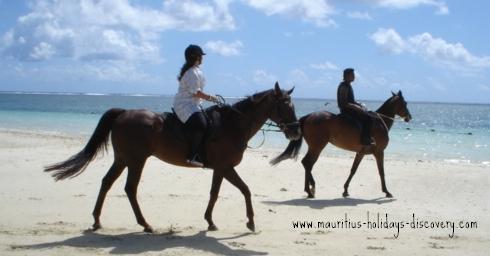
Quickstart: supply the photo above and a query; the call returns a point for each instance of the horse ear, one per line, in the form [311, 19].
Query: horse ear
[400, 93]
[393, 93]
[290, 91]
[277, 89]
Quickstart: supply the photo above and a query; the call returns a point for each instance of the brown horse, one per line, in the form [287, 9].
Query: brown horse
[320, 128]
[139, 134]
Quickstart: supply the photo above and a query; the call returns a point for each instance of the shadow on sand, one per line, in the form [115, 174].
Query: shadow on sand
[324, 203]
[135, 243]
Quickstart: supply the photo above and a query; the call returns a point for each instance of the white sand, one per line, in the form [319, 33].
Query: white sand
[41, 217]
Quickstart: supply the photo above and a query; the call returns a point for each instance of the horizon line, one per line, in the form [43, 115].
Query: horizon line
[232, 97]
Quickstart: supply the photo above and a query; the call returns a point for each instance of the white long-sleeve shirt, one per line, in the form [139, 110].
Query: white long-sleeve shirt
[185, 103]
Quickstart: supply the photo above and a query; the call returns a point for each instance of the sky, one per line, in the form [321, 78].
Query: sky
[431, 50]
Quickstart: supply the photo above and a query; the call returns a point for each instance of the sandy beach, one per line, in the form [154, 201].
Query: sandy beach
[42, 217]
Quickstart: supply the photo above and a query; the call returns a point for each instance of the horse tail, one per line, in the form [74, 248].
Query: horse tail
[77, 163]
[293, 147]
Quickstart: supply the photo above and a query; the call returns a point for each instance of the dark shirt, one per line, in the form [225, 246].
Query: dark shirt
[345, 95]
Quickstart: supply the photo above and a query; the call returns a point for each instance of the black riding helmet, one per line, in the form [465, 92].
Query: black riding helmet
[192, 52]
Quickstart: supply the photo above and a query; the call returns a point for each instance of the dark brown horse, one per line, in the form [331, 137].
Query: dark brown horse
[139, 134]
[320, 128]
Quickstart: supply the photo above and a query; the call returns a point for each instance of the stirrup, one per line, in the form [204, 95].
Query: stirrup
[195, 162]
[368, 142]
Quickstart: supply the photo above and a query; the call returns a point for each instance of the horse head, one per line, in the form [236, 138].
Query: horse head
[283, 113]
[400, 106]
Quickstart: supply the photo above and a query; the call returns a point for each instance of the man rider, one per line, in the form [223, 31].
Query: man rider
[349, 106]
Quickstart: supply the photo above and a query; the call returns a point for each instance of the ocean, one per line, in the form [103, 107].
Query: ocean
[449, 132]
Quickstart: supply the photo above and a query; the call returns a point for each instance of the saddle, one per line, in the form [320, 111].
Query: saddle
[350, 119]
[173, 125]
[354, 121]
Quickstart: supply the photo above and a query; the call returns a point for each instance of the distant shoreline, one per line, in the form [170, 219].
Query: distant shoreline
[228, 97]
[267, 150]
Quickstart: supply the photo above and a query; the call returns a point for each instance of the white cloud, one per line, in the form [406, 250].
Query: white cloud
[435, 50]
[315, 11]
[124, 30]
[111, 71]
[106, 29]
[105, 71]
[301, 79]
[439, 50]
[225, 49]
[298, 76]
[436, 84]
[485, 87]
[319, 12]
[359, 15]
[442, 8]
[389, 40]
[262, 77]
[42, 51]
[199, 15]
[325, 66]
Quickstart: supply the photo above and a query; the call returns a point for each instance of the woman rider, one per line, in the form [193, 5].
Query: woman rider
[187, 101]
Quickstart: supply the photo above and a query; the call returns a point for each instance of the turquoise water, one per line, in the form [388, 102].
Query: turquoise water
[457, 133]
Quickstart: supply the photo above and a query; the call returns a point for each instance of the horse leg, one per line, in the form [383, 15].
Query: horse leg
[131, 188]
[355, 164]
[232, 176]
[113, 173]
[308, 161]
[215, 186]
[380, 161]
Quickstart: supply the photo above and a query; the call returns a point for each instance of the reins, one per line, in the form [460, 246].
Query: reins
[221, 102]
[383, 121]
[261, 143]
[269, 124]
[391, 118]
[280, 126]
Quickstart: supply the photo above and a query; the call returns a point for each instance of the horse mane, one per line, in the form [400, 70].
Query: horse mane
[386, 104]
[249, 101]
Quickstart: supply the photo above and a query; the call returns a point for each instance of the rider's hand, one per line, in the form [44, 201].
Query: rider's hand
[362, 105]
[213, 99]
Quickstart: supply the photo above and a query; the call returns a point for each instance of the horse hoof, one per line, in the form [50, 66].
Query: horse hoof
[96, 227]
[251, 226]
[345, 194]
[311, 196]
[212, 228]
[389, 195]
[148, 229]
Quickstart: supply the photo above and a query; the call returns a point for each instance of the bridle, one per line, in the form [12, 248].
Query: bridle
[380, 116]
[283, 126]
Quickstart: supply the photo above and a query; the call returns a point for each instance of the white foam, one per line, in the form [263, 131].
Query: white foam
[94, 94]
[457, 161]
